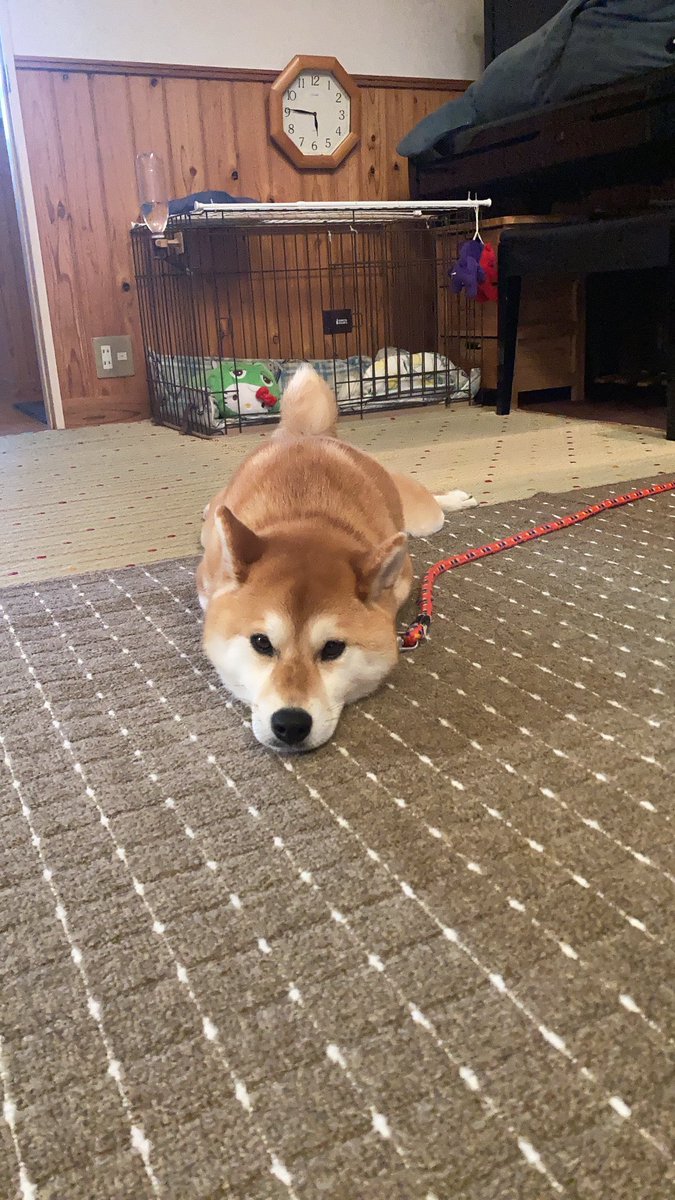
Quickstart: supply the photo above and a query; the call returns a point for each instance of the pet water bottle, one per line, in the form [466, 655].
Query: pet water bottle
[152, 192]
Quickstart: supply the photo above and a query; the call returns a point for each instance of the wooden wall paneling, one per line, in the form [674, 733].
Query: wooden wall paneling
[280, 296]
[88, 66]
[250, 122]
[404, 110]
[221, 154]
[356, 280]
[58, 240]
[279, 293]
[332, 286]
[82, 154]
[19, 370]
[273, 288]
[234, 259]
[371, 152]
[286, 182]
[292, 273]
[118, 184]
[147, 108]
[84, 130]
[147, 105]
[324, 185]
[395, 123]
[186, 136]
[237, 259]
[298, 320]
[373, 308]
[219, 309]
[411, 289]
[347, 182]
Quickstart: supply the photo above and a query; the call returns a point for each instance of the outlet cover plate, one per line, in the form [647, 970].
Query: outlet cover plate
[115, 351]
[337, 320]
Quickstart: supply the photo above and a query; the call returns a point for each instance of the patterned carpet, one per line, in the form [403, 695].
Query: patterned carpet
[429, 961]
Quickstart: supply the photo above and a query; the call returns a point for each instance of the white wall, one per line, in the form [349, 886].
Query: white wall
[440, 39]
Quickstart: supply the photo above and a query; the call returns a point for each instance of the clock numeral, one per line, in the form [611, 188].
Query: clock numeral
[301, 81]
[338, 97]
[315, 80]
[328, 143]
[338, 132]
[292, 95]
[315, 145]
[302, 141]
[287, 112]
[329, 83]
[291, 128]
[342, 115]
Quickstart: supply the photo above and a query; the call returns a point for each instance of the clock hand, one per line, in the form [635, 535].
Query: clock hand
[305, 111]
[316, 124]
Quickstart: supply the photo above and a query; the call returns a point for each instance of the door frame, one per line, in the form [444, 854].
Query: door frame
[12, 118]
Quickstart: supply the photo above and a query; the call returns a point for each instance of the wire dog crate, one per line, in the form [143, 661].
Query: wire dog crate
[233, 298]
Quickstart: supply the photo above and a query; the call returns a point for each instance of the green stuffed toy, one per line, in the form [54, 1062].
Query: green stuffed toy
[245, 388]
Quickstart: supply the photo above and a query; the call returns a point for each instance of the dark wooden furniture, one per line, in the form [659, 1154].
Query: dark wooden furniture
[550, 332]
[583, 248]
[618, 135]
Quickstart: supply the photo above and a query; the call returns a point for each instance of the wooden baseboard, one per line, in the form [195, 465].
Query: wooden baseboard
[94, 410]
[84, 66]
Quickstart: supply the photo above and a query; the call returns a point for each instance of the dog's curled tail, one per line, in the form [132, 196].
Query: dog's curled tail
[308, 407]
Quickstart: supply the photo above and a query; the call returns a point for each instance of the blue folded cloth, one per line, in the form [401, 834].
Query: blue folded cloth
[186, 204]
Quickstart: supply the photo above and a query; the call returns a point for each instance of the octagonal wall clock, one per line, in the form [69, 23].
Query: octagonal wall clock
[315, 112]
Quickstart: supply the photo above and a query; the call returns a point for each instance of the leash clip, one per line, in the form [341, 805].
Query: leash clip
[404, 646]
[410, 638]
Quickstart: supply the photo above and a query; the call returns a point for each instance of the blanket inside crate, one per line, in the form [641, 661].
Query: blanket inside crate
[215, 390]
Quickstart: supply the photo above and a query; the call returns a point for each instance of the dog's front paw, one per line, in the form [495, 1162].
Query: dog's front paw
[455, 500]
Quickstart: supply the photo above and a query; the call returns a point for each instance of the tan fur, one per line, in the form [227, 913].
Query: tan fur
[309, 407]
[308, 539]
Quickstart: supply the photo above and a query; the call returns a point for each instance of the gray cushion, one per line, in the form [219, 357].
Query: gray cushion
[589, 43]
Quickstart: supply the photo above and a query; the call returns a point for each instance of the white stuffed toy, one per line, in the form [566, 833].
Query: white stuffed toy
[396, 372]
[390, 372]
[434, 372]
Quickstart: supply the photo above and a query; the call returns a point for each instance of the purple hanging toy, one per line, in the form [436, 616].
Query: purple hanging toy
[467, 273]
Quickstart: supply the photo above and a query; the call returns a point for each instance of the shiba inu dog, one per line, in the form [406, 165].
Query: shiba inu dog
[305, 567]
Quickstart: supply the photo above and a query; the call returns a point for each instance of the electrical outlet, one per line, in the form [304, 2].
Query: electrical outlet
[114, 357]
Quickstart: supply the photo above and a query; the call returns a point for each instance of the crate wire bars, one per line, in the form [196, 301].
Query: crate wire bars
[234, 297]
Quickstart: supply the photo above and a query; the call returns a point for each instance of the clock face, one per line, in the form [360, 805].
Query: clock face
[317, 113]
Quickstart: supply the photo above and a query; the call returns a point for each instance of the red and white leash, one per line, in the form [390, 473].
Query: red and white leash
[411, 637]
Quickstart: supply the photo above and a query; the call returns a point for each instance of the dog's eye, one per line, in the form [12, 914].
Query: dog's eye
[262, 644]
[332, 650]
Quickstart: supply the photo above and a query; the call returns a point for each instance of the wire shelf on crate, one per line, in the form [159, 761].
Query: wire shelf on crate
[360, 289]
[316, 212]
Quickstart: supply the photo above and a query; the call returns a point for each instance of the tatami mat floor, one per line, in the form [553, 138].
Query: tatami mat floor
[81, 500]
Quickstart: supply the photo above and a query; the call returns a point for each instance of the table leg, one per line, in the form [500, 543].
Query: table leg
[507, 334]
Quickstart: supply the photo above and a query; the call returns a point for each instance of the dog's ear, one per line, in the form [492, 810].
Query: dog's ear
[380, 568]
[240, 546]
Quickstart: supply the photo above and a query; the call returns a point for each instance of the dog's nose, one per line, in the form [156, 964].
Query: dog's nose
[291, 725]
